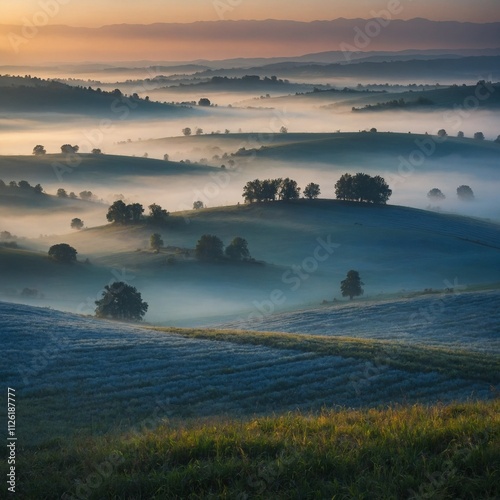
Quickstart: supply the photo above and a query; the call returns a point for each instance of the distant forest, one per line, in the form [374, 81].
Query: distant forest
[31, 94]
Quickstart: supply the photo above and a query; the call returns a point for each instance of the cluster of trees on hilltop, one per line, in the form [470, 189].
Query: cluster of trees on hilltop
[39, 150]
[277, 189]
[121, 213]
[363, 188]
[25, 186]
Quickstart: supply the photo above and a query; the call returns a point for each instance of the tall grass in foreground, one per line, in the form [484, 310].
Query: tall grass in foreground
[407, 452]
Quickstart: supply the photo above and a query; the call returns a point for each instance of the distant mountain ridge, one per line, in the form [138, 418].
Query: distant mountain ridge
[207, 39]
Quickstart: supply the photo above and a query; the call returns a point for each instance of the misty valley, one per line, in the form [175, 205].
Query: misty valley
[253, 277]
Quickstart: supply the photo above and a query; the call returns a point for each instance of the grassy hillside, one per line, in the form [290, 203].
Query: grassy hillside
[385, 244]
[407, 452]
[372, 150]
[95, 169]
[33, 95]
[138, 413]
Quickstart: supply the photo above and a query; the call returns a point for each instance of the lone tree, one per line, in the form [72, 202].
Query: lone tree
[121, 301]
[442, 133]
[204, 102]
[39, 150]
[209, 248]
[479, 136]
[61, 193]
[238, 249]
[76, 223]
[465, 193]
[156, 213]
[435, 194]
[155, 242]
[186, 131]
[351, 286]
[198, 205]
[86, 195]
[62, 252]
[69, 149]
[312, 191]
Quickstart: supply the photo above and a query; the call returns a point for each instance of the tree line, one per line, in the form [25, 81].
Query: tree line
[277, 189]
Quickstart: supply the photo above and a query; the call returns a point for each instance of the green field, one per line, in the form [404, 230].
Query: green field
[403, 452]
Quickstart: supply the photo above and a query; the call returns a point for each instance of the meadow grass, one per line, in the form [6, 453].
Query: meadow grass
[456, 363]
[395, 453]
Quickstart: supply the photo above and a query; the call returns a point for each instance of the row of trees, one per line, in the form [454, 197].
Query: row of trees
[40, 150]
[363, 188]
[121, 213]
[360, 187]
[464, 193]
[273, 189]
[24, 185]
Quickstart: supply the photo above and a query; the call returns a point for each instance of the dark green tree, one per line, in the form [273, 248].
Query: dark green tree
[209, 248]
[69, 149]
[288, 190]
[76, 223]
[344, 188]
[135, 211]
[39, 150]
[121, 301]
[312, 191]
[155, 242]
[238, 249]
[465, 193]
[351, 286]
[436, 194]
[156, 213]
[62, 252]
[117, 212]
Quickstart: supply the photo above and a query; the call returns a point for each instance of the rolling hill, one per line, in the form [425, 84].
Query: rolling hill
[385, 243]
[34, 95]
[95, 170]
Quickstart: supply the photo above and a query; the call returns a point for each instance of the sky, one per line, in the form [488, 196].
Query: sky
[58, 31]
[101, 12]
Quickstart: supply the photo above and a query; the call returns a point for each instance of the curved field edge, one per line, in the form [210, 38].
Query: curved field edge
[400, 452]
[455, 363]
